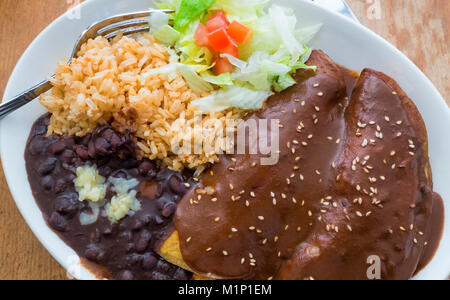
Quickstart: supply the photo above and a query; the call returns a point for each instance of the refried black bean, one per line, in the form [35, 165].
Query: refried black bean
[126, 248]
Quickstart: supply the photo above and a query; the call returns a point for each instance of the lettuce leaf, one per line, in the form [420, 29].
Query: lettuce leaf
[189, 10]
[232, 96]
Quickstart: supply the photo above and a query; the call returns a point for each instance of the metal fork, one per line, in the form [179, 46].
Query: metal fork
[126, 24]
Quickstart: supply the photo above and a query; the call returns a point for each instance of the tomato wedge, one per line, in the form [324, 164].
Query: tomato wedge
[231, 49]
[217, 21]
[239, 32]
[222, 66]
[201, 36]
[219, 39]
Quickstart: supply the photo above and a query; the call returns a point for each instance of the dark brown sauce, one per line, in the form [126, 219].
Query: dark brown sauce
[350, 78]
[338, 201]
[435, 232]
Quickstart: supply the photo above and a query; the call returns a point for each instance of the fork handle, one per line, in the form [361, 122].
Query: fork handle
[24, 98]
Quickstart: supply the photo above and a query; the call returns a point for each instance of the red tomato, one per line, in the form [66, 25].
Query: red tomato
[201, 36]
[239, 32]
[219, 39]
[231, 49]
[221, 14]
[222, 66]
[217, 21]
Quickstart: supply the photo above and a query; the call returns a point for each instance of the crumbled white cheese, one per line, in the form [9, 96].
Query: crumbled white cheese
[125, 201]
[89, 184]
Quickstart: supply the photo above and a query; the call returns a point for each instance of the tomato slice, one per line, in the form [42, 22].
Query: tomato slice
[231, 49]
[239, 32]
[217, 21]
[219, 39]
[221, 14]
[201, 36]
[222, 66]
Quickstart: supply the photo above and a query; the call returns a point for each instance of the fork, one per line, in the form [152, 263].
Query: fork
[126, 24]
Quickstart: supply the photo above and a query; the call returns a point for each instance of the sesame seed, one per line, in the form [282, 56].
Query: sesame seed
[261, 218]
[217, 219]
[387, 118]
[209, 249]
[187, 185]
[188, 239]
[320, 94]
[316, 85]
[252, 194]
[225, 253]
[234, 229]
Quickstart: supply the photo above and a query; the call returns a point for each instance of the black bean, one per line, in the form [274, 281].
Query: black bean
[145, 167]
[94, 253]
[107, 134]
[82, 152]
[181, 274]
[137, 224]
[163, 266]
[40, 130]
[66, 204]
[126, 275]
[47, 183]
[60, 186]
[144, 241]
[102, 146]
[149, 262]
[134, 172]
[37, 145]
[158, 220]
[116, 141]
[58, 222]
[158, 276]
[86, 139]
[176, 185]
[127, 235]
[58, 147]
[91, 149]
[169, 209]
[47, 166]
[105, 171]
[67, 156]
[131, 247]
[146, 219]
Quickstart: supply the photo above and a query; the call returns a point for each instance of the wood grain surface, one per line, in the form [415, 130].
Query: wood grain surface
[419, 28]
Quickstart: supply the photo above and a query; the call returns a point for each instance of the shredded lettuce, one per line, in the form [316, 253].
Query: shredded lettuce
[189, 10]
[232, 96]
[195, 82]
[277, 49]
[220, 80]
[167, 35]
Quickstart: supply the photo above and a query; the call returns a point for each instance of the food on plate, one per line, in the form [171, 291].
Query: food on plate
[353, 181]
[137, 164]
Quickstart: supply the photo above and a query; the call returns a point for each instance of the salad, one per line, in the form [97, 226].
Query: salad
[240, 52]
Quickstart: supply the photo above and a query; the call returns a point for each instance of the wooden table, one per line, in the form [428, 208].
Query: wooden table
[417, 27]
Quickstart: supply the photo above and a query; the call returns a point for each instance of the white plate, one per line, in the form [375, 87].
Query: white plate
[347, 42]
